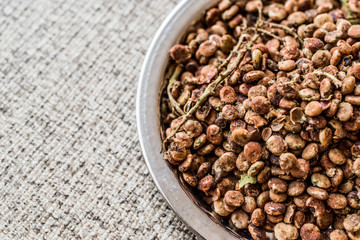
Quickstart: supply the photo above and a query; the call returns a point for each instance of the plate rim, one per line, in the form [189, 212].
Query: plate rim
[148, 126]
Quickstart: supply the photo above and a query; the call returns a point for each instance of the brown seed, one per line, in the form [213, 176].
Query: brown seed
[354, 100]
[253, 76]
[273, 208]
[352, 223]
[240, 136]
[287, 65]
[260, 105]
[234, 198]
[297, 18]
[277, 12]
[258, 90]
[240, 219]
[313, 44]
[190, 179]
[290, 52]
[220, 209]
[338, 234]
[344, 47]
[180, 53]
[230, 112]
[228, 95]
[206, 183]
[310, 231]
[320, 180]
[258, 217]
[310, 151]
[348, 85]
[321, 19]
[276, 145]
[285, 231]
[299, 219]
[356, 71]
[207, 48]
[213, 134]
[321, 58]
[336, 201]
[227, 162]
[296, 188]
[252, 151]
[337, 156]
[335, 57]
[313, 109]
[317, 193]
[277, 185]
[354, 31]
[257, 233]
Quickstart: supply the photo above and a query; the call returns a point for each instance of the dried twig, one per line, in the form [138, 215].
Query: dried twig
[235, 50]
[265, 32]
[175, 106]
[211, 87]
[288, 30]
[333, 79]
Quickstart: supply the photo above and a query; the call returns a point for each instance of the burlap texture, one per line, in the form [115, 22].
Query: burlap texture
[71, 165]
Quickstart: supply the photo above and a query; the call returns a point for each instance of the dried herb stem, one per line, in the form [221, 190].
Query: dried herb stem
[235, 50]
[333, 79]
[211, 87]
[265, 32]
[175, 106]
[288, 30]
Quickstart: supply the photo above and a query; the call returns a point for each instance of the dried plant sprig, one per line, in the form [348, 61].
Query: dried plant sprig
[175, 106]
[333, 79]
[288, 30]
[211, 87]
[235, 50]
[265, 32]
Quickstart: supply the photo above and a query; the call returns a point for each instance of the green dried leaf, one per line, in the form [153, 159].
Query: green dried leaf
[245, 179]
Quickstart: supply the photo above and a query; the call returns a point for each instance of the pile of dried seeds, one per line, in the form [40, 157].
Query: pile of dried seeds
[261, 113]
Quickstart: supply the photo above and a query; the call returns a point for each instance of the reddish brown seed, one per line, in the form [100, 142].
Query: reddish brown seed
[228, 95]
[276, 145]
[206, 183]
[336, 201]
[207, 48]
[356, 71]
[321, 58]
[354, 100]
[252, 151]
[273, 208]
[213, 134]
[234, 198]
[313, 109]
[290, 52]
[230, 112]
[310, 231]
[354, 31]
[344, 47]
[253, 76]
[345, 111]
[313, 44]
[260, 105]
[180, 53]
[287, 65]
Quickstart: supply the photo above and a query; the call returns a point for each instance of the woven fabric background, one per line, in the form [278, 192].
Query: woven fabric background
[71, 165]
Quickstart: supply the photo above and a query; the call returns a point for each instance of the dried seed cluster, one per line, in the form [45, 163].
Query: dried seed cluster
[262, 116]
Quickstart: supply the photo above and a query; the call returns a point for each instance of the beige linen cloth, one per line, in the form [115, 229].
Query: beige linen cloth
[71, 165]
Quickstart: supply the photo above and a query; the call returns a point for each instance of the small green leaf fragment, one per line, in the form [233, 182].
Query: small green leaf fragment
[245, 179]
